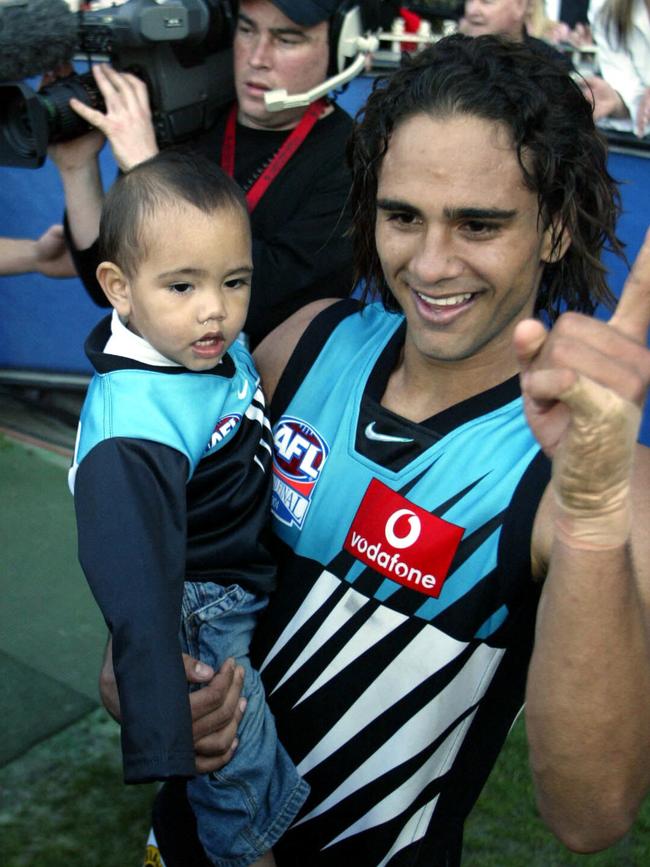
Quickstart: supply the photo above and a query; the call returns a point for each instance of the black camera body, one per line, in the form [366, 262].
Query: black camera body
[180, 48]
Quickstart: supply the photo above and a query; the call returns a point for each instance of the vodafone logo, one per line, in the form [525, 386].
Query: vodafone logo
[401, 541]
[415, 528]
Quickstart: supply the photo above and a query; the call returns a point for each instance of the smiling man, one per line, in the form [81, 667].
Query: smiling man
[478, 493]
[297, 196]
[460, 505]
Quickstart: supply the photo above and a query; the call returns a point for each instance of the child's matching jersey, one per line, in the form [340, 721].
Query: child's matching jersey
[171, 478]
[395, 649]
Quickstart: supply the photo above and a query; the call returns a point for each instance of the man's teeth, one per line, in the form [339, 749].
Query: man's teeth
[449, 301]
[206, 342]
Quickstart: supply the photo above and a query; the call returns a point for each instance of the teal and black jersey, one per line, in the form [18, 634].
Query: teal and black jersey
[395, 649]
[171, 480]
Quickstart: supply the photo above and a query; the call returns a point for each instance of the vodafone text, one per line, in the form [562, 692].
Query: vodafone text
[393, 564]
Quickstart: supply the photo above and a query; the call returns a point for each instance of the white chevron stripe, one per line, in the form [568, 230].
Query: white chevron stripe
[415, 829]
[338, 617]
[391, 806]
[407, 671]
[318, 595]
[419, 731]
[373, 631]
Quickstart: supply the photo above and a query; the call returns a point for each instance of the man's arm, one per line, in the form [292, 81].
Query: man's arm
[588, 693]
[46, 255]
[273, 353]
[127, 126]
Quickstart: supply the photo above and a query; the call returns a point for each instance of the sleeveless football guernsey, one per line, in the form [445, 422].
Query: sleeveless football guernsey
[396, 646]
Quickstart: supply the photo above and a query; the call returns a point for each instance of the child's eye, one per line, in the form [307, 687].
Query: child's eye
[237, 283]
[180, 287]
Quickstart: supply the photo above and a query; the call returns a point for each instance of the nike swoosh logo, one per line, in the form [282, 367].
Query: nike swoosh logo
[241, 394]
[372, 434]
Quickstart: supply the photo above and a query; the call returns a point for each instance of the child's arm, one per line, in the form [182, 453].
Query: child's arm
[131, 520]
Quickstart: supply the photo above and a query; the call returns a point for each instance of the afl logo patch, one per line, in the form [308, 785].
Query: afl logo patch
[224, 427]
[299, 455]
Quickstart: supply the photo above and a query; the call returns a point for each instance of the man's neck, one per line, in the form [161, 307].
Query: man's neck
[419, 388]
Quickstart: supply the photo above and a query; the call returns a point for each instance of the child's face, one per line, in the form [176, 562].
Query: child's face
[190, 296]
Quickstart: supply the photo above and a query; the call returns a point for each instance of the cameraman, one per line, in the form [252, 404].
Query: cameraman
[299, 220]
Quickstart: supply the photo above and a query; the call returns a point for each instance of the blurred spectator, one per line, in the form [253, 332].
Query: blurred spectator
[507, 18]
[621, 30]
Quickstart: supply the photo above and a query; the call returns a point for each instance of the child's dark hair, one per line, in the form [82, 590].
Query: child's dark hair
[562, 156]
[169, 177]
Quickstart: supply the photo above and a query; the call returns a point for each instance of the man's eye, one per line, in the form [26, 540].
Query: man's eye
[403, 218]
[477, 227]
[180, 288]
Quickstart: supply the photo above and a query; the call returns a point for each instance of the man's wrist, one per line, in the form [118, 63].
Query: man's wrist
[594, 532]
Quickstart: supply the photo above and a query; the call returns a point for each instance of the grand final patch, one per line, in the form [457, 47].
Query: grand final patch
[299, 455]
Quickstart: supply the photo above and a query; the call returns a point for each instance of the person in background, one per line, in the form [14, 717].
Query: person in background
[299, 220]
[621, 30]
[507, 18]
[171, 479]
[460, 503]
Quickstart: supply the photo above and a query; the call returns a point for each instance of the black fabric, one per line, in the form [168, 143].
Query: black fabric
[574, 12]
[300, 252]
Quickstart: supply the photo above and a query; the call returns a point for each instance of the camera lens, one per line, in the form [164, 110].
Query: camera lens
[63, 123]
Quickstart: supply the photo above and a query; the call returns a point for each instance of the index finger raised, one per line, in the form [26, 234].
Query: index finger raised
[632, 314]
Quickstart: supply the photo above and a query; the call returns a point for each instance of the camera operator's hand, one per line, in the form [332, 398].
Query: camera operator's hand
[127, 121]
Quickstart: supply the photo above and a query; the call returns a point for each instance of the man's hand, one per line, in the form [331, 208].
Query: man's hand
[584, 384]
[127, 121]
[217, 708]
[52, 256]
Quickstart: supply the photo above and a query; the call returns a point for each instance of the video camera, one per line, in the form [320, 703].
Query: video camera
[179, 48]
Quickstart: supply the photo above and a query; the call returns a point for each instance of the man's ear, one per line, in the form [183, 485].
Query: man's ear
[116, 287]
[555, 242]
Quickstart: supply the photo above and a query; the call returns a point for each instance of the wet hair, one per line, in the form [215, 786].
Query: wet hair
[169, 178]
[563, 157]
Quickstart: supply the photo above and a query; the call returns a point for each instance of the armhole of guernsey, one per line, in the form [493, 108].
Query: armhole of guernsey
[516, 536]
[307, 351]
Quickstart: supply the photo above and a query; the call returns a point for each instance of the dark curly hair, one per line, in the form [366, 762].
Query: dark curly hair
[562, 156]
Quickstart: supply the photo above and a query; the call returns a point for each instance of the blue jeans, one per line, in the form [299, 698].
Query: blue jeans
[243, 809]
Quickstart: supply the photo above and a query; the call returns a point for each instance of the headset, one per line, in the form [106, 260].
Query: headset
[351, 39]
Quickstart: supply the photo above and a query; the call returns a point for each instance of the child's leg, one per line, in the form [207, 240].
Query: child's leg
[243, 809]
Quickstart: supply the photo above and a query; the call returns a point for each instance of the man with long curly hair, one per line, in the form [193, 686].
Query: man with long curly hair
[460, 504]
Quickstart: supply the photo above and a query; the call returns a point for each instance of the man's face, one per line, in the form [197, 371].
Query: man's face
[271, 51]
[500, 17]
[189, 297]
[459, 239]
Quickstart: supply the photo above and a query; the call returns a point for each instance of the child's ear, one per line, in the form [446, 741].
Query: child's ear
[116, 288]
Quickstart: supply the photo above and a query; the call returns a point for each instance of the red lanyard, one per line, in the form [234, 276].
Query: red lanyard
[281, 158]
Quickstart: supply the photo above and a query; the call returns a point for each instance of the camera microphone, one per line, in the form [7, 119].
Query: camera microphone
[35, 37]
